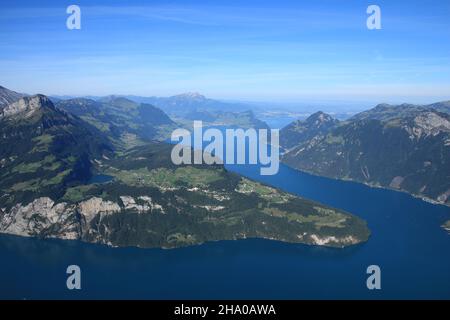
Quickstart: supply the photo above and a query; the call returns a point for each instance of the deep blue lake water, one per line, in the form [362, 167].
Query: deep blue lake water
[407, 243]
[100, 178]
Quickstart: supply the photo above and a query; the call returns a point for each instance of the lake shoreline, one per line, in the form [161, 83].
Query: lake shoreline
[374, 186]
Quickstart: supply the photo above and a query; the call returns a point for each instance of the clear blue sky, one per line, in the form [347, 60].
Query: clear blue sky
[251, 50]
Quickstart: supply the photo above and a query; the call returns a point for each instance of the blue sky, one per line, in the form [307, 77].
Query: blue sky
[286, 51]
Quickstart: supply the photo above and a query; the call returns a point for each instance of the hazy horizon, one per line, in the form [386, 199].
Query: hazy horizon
[305, 105]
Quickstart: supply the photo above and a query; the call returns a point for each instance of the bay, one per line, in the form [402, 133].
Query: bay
[406, 242]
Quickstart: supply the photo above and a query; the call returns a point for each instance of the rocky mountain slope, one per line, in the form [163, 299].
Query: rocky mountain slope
[300, 131]
[402, 147]
[43, 149]
[8, 96]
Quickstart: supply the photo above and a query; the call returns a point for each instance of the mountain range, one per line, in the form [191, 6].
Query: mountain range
[124, 120]
[66, 173]
[186, 103]
[403, 147]
[186, 107]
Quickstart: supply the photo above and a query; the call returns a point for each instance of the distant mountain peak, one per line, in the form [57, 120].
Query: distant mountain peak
[113, 98]
[191, 95]
[320, 117]
[382, 106]
[119, 102]
[299, 131]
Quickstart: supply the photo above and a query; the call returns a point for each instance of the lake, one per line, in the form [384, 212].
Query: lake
[100, 178]
[407, 243]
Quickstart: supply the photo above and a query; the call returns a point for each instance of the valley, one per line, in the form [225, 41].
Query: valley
[150, 202]
[147, 201]
[224, 151]
[127, 197]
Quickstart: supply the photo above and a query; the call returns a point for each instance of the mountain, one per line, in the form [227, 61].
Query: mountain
[300, 131]
[403, 147]
[446, 226]
[121, 119]
[49, 159]
[43, 149]
[386, 111]
[152, 203]
[244, 119]
[185, 103]
[7, 97]
[187, 107]
[440, 106]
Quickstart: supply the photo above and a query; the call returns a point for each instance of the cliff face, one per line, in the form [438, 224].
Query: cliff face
[42, 217]
[91, 221]
[45, 218]
[26, 107]
[8, 96]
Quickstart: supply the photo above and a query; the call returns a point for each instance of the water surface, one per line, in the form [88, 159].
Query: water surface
[407, 243]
